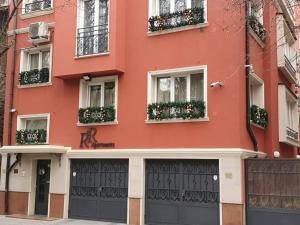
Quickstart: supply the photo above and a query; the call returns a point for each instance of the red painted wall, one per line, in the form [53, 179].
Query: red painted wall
[220, 46]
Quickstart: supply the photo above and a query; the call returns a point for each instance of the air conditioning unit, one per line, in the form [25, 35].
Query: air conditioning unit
[38, 32]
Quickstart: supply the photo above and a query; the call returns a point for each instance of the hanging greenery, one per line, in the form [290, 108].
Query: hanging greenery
[176, 110]
[34, 76]
[31, 136]
[96, 114]
[257, 27]
[259, 116]
[177, 19]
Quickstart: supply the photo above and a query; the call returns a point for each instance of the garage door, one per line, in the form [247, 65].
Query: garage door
[99, 189]
[182, 192]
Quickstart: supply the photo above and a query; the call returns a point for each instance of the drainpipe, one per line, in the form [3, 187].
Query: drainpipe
[248, 71]
[11, 102]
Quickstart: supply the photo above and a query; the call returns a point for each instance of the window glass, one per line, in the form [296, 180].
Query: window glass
[34, 61]
[109, 93]
[36, 124]
[180, 5]
[89, 13]
[197, 85]
[95, 96]
[45, 59]
[180, 89]
[164, 6]
[103, 13]
[163, 89]
[197, 3]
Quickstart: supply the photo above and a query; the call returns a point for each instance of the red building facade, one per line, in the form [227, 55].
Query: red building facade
[136, 111]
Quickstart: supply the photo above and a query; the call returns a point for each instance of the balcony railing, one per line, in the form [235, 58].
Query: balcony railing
[92, 40]
[176, 110]
[37, 6]
[257, 27]
[177, 19]
[34, 76]
[96, 115]
[290, 59]
[259, 116]
[31, 136]
[292, 134]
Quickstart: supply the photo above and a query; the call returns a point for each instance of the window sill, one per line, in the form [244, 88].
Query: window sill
[34, 85]
[177, 29]
[206, 119]
[97, 124]
[256, 125]
[90, 56]
[36, 13]
[256, 38]
[25, 144]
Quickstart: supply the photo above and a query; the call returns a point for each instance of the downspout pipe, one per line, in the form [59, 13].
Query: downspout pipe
[248, 72]
[11, 102]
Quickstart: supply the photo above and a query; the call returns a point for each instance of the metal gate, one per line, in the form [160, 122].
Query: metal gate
[99, 189]
[182, 192]
[273, 191]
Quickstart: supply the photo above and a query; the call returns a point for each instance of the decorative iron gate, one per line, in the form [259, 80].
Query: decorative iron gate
[99, 189]
[182, 192]
[273, 191]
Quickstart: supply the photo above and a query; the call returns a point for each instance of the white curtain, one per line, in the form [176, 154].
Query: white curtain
[34, 61]
[180, 89]
[36, 124]
[197, 91]
[163, 89]
[95, 96]
[109, 94]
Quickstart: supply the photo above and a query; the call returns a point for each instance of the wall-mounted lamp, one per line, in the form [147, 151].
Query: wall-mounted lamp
[276, 155]
[87, 78]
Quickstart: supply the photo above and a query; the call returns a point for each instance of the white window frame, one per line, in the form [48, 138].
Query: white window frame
[284, 115]
[84, 92]
[80, 24]
[25, 62]
[257, 96]
[178, 72]
[24, 2]
[154, 7]
[21, 121]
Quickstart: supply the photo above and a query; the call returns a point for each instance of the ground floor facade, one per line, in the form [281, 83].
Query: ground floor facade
[131, 186]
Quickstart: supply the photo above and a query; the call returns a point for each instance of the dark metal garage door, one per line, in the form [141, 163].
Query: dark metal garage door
[99, 189]
[182, 192]
[273, 191]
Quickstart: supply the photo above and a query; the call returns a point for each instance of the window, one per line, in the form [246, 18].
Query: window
[30, 6]
[288, 116]
[33, 129]
[92, 33]
[256, 91]
[176, 88]
[35, 66]
[170, 6]
[177, 92]
[257, 10]
[98, 100]
[102, 95]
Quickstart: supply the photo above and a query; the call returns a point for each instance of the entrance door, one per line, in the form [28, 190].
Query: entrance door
[42, 187]
[182, 192]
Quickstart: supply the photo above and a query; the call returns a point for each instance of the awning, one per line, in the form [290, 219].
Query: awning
[35, 149]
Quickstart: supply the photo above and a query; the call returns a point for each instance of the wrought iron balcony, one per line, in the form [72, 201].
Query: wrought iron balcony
[37, 6]
[177, 19]
[92, 40]
[259, 116]
[257, 27]
[34, 76]
[292, 134]
[31, 136]
[96, 114]
[176, 110]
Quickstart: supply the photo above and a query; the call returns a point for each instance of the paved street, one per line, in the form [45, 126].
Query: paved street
[12, 221]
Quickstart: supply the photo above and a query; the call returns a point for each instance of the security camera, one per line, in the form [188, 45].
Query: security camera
[217, 84]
